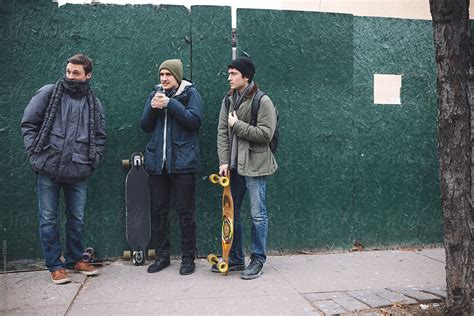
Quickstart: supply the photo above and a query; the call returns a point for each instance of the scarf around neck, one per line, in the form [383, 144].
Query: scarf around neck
[238, 99]
[76, 88]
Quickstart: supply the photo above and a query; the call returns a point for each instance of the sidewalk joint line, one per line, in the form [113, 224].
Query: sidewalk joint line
[302, 295]
[426, 256]
[83, 283]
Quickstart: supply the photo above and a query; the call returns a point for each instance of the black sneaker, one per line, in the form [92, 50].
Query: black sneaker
[253, 270]
[158, 265]
[232, 267]
[187, 267]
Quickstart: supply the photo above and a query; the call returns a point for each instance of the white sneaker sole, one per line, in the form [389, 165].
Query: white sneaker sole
[251, 277]
[88, 272]
[62, 281]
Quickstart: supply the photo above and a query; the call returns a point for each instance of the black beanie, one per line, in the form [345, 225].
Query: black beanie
[245, 66]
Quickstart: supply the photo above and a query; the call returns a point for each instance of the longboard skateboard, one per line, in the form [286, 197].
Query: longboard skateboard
[227, 224]
[137, 209]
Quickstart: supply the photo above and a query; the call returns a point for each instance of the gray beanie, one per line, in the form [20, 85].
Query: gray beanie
[175, 66]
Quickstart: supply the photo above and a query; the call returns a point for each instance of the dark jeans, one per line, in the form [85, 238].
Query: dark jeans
[182, 188]
[48, 204]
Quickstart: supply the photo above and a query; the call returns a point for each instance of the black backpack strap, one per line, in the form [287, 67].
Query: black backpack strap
[256, 106]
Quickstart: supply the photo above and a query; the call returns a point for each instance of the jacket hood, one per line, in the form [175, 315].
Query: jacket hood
[185, 84]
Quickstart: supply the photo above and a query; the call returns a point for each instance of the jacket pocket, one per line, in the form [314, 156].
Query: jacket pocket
[150, 157]
[258, 159]
[46, 161]
[184, 154]
[81, 166]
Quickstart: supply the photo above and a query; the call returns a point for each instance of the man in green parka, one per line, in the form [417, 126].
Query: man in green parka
[245, 155]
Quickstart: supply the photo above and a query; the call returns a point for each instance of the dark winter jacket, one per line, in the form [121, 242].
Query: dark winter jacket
[184, 117]
[64, 157]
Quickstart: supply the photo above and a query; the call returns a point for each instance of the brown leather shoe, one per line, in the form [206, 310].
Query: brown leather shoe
[85, 268]
[60, 276]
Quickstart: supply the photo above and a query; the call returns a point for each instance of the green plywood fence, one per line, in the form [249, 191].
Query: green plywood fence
[352, 170]
[349, 169]
[396, 164]
[211, 30]
[304, 62]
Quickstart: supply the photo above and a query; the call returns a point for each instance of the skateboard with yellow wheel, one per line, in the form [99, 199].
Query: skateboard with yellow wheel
[227, 224]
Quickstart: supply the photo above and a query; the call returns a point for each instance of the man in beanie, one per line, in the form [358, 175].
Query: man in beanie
[245, 155]
[63, 130]
[173, 116]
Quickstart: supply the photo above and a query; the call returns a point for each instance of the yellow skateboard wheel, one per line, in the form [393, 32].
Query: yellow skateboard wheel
[127, 254]
[212, 259]
[222, 266]
[224, 181]
[214, 178]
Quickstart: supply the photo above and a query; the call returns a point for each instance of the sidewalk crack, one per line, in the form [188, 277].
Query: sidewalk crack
[429, 257]
[83, 286]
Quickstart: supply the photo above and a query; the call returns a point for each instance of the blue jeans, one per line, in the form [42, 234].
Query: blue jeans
[48, 203]
[258, 211]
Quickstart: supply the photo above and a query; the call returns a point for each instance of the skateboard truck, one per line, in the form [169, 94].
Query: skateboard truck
[136, 160]
[219, 262]
[138, 257]
[88, 255]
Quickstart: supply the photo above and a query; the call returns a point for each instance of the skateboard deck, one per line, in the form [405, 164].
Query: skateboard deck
[227, 230]
[137, 209]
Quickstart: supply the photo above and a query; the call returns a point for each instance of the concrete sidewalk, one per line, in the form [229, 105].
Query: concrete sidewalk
[320, 284]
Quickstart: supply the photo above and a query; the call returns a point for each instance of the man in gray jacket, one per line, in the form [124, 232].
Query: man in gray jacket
[245, 154]
[63, 130]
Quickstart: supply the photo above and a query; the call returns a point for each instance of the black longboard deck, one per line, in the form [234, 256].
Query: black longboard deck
[137, 206]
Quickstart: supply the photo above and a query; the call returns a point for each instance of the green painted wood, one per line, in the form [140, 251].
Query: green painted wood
[396, 188]
[304, 63]
[353, 171]
[126, 44]
[211, 29]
